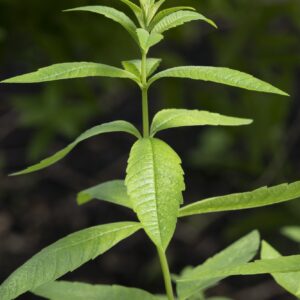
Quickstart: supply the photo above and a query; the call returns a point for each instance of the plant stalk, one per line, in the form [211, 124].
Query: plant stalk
[166, 274]
[144, 88]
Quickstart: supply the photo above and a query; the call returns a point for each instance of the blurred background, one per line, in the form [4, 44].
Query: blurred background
[261, 37]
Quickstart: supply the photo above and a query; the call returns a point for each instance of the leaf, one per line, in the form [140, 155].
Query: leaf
[289, 281]
[112, 14]
[166, 12]
[236, 254]
[155, 7]
[179, 18]
[112, 191]
[219, 75]
[136, 10]
[135, 66]
[284, 264]
[115, 126]
[292, 232]
[63, 290]
[154, 184]
[171, 118]
[69, 71]
[65, 256]
[260, 197]
[146, 40]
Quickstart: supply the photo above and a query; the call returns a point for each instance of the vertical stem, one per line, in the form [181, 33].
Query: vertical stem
[166, 273]
[145, 95]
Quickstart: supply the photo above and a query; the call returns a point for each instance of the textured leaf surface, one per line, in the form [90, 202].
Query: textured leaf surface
[179, 18]
[136, 9]
[63, 290]
[112, 14]
[289, 281]
[115, 126]
[135, 66]
[170, 118]
[69, 71]
[65, 256]
[219, 75]
[257, 198]
[284, 264]
[112, 191]
[292, 232]
[236, 254]
[166, 12]
[146, 40]
[154, 184]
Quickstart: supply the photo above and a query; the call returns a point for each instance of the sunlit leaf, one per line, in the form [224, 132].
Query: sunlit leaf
[65, 256]
[135, 66]
[219, 75]
[154, 184]
[115, 126]
[171, 118]
[292, 232]
[257, 198]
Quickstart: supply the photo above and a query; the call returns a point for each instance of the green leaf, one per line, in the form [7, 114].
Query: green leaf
[115, 126]
[289, 281]
[292, 232]
[219, 75]
[236, 254]
[154, 184]
[179, 18]
[171, 118]
[112, 14]
[155, 7]
[135, 66]
[63, 290]
[136, 10]
[112, 191]
[69, 71]
[260, 197]
[166, 12]
[284, 264]
[146, 40]
[65, 256]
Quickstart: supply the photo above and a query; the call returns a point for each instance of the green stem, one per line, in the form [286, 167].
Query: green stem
[145, 95]
[166, 273]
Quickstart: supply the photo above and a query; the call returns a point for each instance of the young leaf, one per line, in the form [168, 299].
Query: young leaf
[112, 14]
[166, 12]
[171, 118]
[112, 191]
[179, 18]
[292, 232]
[284, 264]
[155, 7]
[115, 126]
[154, 184]
[242, 251]
[135, 66]
[136, 10]
[261, 197]
[289, 281]
[65, 256]
[146, 40]
[219, 75]
[64, 290]
[69, 71]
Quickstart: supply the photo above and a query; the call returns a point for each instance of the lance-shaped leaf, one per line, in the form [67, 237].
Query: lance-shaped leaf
[242, 251]
[166, 12]
[154, 9]
[284, 264]
[154, 184]
[135, 66]
[292, 232]
[219, 75]
[112, 14]
[179, 18]
[69, 71]
[64, 290]
[289, 281]
[112, 191]
[171, 118]
[147, 40]
[115, 126]
[260, 197]
[136, 10]
[65, 256]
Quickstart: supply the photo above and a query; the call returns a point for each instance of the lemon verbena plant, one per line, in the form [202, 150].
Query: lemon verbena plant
[154, 178]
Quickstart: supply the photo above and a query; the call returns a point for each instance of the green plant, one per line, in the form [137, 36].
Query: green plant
[154, 182]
